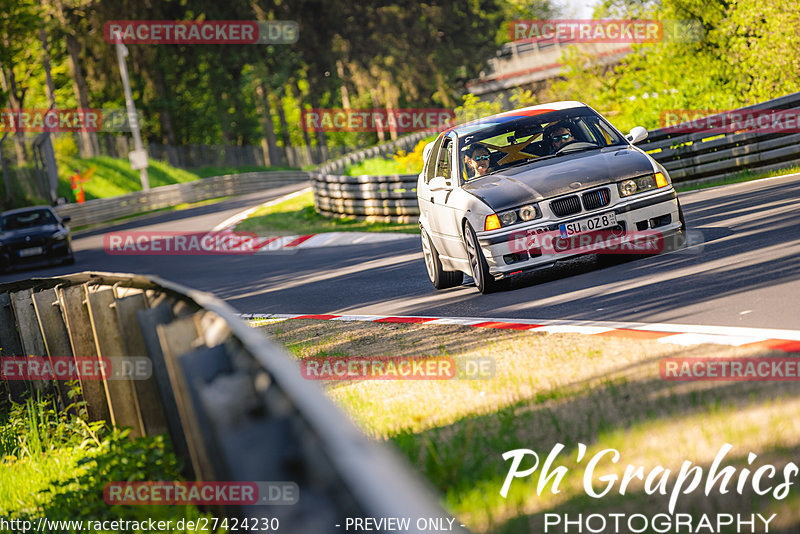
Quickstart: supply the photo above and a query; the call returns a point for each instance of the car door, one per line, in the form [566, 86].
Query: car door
[424, 191]
[446, 236]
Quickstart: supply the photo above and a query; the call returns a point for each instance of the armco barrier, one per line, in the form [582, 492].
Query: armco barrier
[234, 404]
[106, 209]
[692, 156]
[687, 157]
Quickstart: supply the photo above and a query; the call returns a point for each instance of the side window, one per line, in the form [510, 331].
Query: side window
[443, 165]
[430, 163]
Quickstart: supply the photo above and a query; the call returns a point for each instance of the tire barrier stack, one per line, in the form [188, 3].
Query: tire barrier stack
[234, 404]
[698, 155]
[379, 198]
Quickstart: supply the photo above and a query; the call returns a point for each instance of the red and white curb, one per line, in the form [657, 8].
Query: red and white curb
[678, 334]
[268, 244]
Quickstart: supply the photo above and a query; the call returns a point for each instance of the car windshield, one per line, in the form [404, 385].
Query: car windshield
[26, 219]
[510, 141]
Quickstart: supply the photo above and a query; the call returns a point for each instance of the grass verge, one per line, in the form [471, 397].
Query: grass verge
[56, 465]
[744, 176]
[298, 216]
[603, 392]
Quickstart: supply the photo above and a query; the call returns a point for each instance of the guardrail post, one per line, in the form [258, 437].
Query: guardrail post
[54, 335]
[81, 338]
[10, 345]
[178, 338]
[124, 405]
[146, 388]
[29, 332]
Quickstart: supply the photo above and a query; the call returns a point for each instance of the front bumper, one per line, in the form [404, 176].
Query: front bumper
[656, 212]
[52, 252]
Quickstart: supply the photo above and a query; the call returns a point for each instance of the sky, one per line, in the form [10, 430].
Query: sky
[579, 9]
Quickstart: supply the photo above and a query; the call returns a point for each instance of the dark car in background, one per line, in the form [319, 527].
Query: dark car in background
[33, 236]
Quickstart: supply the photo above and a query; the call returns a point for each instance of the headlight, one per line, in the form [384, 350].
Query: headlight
[525, 213]
[645, 183]
[508, 217]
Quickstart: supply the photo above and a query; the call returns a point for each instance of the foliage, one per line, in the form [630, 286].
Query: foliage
[412, 162]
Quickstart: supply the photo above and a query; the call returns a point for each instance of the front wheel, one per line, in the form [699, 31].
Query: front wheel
[484, 281]
[440, 278]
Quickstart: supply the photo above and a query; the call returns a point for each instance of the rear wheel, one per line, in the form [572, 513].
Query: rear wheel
[484, 281]
[440, 278]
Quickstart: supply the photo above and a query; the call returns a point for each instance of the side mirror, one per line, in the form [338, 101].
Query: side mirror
[65, 219]
[637, 134]
[440, 183]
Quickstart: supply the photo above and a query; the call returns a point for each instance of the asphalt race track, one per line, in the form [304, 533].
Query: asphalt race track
[746, 273]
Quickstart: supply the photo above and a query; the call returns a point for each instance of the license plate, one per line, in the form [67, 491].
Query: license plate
[34, 251]
[598, 222]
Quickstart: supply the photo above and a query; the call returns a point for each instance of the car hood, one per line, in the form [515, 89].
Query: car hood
[38, 232]
[558, 176]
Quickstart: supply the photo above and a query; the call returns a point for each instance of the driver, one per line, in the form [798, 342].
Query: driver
[477, 161]
[558, 135]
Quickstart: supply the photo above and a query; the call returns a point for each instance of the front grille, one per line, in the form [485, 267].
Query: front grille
[596, 199]
[566, 206]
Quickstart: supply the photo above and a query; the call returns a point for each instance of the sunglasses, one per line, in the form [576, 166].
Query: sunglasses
[479, 158]
[562, 137]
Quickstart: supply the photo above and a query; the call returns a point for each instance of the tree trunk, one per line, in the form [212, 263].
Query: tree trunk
[165, 119]
[378, 124]
[345, 92]
[287, 141]
[306, 138]
[16, 98]
[51, 89]
[90, 146]
[273, 155]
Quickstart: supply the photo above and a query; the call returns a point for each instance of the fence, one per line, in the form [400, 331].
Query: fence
[687, 156]
[234, 404]
[701, 155]
[106, 209]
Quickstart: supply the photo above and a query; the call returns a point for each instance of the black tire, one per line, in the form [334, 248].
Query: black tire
[484, 281]
[440, 278]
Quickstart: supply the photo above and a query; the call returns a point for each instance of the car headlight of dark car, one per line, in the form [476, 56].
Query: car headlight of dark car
[60, 236]
[641, 184]
[525, 213]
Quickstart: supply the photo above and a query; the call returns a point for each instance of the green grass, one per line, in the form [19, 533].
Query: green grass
[298, 216]
[744, 176]
[56, 465]
[560, 388]
[378, 167]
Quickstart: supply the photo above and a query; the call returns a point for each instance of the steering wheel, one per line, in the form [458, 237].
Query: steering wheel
[573, 145]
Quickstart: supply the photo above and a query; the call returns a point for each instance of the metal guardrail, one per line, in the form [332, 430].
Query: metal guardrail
[687, 157]
[701, 155]
[234, 404]
[406, 142]
[106, 209]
